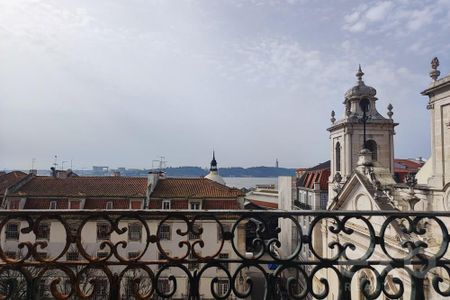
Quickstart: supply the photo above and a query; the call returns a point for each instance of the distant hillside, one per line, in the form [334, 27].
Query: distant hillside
[190, 171]
[232, 172]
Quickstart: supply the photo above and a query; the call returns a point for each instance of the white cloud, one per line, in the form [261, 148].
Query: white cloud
[378, 12]
[400, 17]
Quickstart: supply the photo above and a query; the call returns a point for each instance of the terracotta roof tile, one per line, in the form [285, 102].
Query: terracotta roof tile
[193, 188]
[264, 204]
[9, 179]
[84, 187]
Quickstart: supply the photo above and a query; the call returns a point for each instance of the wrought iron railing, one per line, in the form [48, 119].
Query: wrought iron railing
[203, 255]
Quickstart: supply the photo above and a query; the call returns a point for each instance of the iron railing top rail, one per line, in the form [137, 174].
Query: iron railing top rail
[275, 212]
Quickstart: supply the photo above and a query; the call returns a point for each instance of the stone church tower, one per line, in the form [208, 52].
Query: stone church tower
[361, 127]
[436, 172]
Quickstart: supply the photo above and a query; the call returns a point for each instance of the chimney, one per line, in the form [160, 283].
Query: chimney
[33, 171]
[152, 180]
[116, 174]
[53, 171]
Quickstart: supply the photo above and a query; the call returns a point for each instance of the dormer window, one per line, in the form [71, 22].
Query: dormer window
[195, 205]
[52, 204]
[109, 205]
[166, 204]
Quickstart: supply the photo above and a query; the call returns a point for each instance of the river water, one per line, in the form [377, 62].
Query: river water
[249, 182]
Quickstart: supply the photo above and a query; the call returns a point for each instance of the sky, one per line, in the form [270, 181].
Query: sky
[121, 83]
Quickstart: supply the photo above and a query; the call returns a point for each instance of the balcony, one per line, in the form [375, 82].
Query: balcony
[203, 255]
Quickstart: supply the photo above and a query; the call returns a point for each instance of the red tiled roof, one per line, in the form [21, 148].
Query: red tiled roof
[9, 179]
[193, 188]
[409, 164]
[220, 204]
[84, 187]
[264, 204]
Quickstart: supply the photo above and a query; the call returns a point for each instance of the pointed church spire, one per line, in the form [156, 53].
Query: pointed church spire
[213, 171]
[213, 162]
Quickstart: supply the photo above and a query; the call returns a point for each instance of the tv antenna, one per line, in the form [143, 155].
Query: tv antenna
[55, 163]
[33, 161]
[159, 164]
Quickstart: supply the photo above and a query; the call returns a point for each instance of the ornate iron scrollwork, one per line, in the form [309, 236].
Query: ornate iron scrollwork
[380, 253]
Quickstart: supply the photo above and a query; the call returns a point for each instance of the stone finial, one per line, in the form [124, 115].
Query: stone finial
[359, 74]
[333, 119]
[390, 113]
[434, 73]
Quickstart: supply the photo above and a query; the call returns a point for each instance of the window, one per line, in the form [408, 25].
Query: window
[101, 289]
[41, 255]
[195, 205]
[133, 254]
[371, 145]
[11, 254]
[72, 256]
[161, 257]
[166, 204]
[164, 232]
[129, 292]
[103, 231]
[43, 231]
[193, 233]
[194, 264]
[14, 204]
[74, 204]
[102, 254]
[338, 157]
[222, 286]
[109, 205]
[224, 256]
[12, 231]
[136, 204]
[226, 228]
[43, 290]
[135, 232]
[52, 204]
[163, 287]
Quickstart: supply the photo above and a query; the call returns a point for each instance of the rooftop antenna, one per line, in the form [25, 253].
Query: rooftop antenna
[33, 161]
[161, 163]
[62, 164]
[55, 164]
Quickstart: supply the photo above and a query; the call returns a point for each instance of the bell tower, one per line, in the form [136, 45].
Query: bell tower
[361, 127]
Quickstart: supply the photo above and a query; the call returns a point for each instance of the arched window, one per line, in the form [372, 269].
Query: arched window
[338, 157]
[372, 146]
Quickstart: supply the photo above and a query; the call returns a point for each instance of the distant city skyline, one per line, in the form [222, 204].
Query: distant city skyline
[122, 83]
